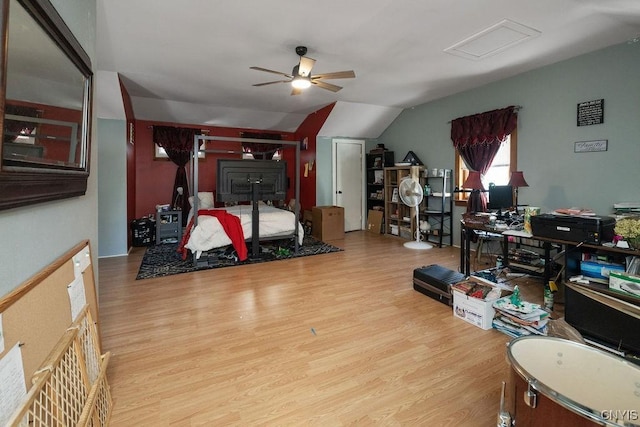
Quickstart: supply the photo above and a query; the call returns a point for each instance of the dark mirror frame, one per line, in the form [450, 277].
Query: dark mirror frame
[18, 188]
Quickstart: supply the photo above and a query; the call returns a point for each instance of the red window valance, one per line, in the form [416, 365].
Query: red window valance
[484, 128]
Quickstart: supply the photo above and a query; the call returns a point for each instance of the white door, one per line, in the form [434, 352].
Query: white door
[349, 181]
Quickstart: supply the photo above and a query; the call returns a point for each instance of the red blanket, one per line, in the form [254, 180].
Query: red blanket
[230, 224]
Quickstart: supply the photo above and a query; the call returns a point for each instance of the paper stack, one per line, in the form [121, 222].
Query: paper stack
[519, 320]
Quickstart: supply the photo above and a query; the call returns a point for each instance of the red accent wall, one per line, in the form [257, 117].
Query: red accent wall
[155, 177]
[131, 157]
[309, 129]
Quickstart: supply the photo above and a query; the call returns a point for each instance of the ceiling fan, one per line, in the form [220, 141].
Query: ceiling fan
[301, 77]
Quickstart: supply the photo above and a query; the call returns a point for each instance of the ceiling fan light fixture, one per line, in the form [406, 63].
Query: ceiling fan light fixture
[300, 82]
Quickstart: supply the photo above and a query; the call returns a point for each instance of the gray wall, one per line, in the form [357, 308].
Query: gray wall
[112, 188]
[324, 172]
[34, 236]
[547, 130]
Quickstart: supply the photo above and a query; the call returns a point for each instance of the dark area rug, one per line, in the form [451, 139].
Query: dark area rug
[164, 260]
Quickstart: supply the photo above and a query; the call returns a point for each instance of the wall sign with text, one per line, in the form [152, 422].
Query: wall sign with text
[590, 146]
[590, 112]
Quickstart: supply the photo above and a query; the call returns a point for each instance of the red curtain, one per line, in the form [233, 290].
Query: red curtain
[178, 144]
[478, 138]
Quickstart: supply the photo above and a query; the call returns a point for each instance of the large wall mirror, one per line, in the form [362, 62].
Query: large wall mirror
[46, 94]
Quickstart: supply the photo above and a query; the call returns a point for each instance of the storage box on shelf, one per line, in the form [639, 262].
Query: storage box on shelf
[595, 262]
[627, 284]
[399, 218]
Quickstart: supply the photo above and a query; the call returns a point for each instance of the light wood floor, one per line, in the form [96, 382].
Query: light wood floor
[334, 339]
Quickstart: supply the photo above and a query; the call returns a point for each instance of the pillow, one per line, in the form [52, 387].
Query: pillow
[205, 200]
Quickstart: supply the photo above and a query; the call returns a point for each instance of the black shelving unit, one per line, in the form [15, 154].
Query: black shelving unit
[438, 206]
[376, 162]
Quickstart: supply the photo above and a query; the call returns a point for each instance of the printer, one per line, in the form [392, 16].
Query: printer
[592, 230]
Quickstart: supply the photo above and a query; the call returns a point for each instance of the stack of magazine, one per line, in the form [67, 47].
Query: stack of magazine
[519, 320]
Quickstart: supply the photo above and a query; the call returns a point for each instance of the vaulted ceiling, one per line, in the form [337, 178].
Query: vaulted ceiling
[189, 61]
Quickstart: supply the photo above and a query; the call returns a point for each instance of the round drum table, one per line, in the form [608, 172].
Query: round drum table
[564, 383]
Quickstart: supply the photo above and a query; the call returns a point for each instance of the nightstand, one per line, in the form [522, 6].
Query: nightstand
[168, 227]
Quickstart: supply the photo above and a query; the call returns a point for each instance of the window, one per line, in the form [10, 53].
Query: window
[160, 154]
[500, 171]
[276, 156]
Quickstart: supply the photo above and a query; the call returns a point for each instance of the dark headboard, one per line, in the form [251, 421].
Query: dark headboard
[236, 180]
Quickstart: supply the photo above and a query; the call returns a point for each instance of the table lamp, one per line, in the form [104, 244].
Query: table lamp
[517, 180]
[474, 182]
[177, 202]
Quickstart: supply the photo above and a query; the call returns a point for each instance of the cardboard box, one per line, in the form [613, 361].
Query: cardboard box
[625, 283]
[374, 221]
[599, 270]
[328, 222]
[477, 311]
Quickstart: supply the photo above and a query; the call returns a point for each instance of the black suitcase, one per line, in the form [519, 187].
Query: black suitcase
[435, 281]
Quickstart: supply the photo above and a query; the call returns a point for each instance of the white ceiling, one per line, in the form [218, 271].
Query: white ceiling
[188, 61]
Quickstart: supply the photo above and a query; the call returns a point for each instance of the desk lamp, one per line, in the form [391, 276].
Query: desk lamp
[474, 182]
[517, 180]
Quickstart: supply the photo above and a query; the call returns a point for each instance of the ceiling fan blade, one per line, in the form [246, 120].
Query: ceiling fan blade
[266, 70]
[270, 83]
[306, 64]
[337, 75]
[325, 85]
[296, 91]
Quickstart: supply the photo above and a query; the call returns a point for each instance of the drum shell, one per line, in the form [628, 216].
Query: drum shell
[571, 406]
[546, 413]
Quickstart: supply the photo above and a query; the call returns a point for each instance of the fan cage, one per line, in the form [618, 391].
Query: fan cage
[409, 181]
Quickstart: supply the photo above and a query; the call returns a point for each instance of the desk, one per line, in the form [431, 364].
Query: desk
[469, 227]
[606, 317]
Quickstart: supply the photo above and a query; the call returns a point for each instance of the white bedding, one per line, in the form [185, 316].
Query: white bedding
[274, 222]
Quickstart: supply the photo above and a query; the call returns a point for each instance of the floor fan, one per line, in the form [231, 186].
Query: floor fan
[411, 195]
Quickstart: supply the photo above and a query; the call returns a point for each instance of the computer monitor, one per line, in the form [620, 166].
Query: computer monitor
[500, 197]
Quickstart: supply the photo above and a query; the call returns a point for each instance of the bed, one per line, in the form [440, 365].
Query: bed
[209, 233]
[242, 181]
